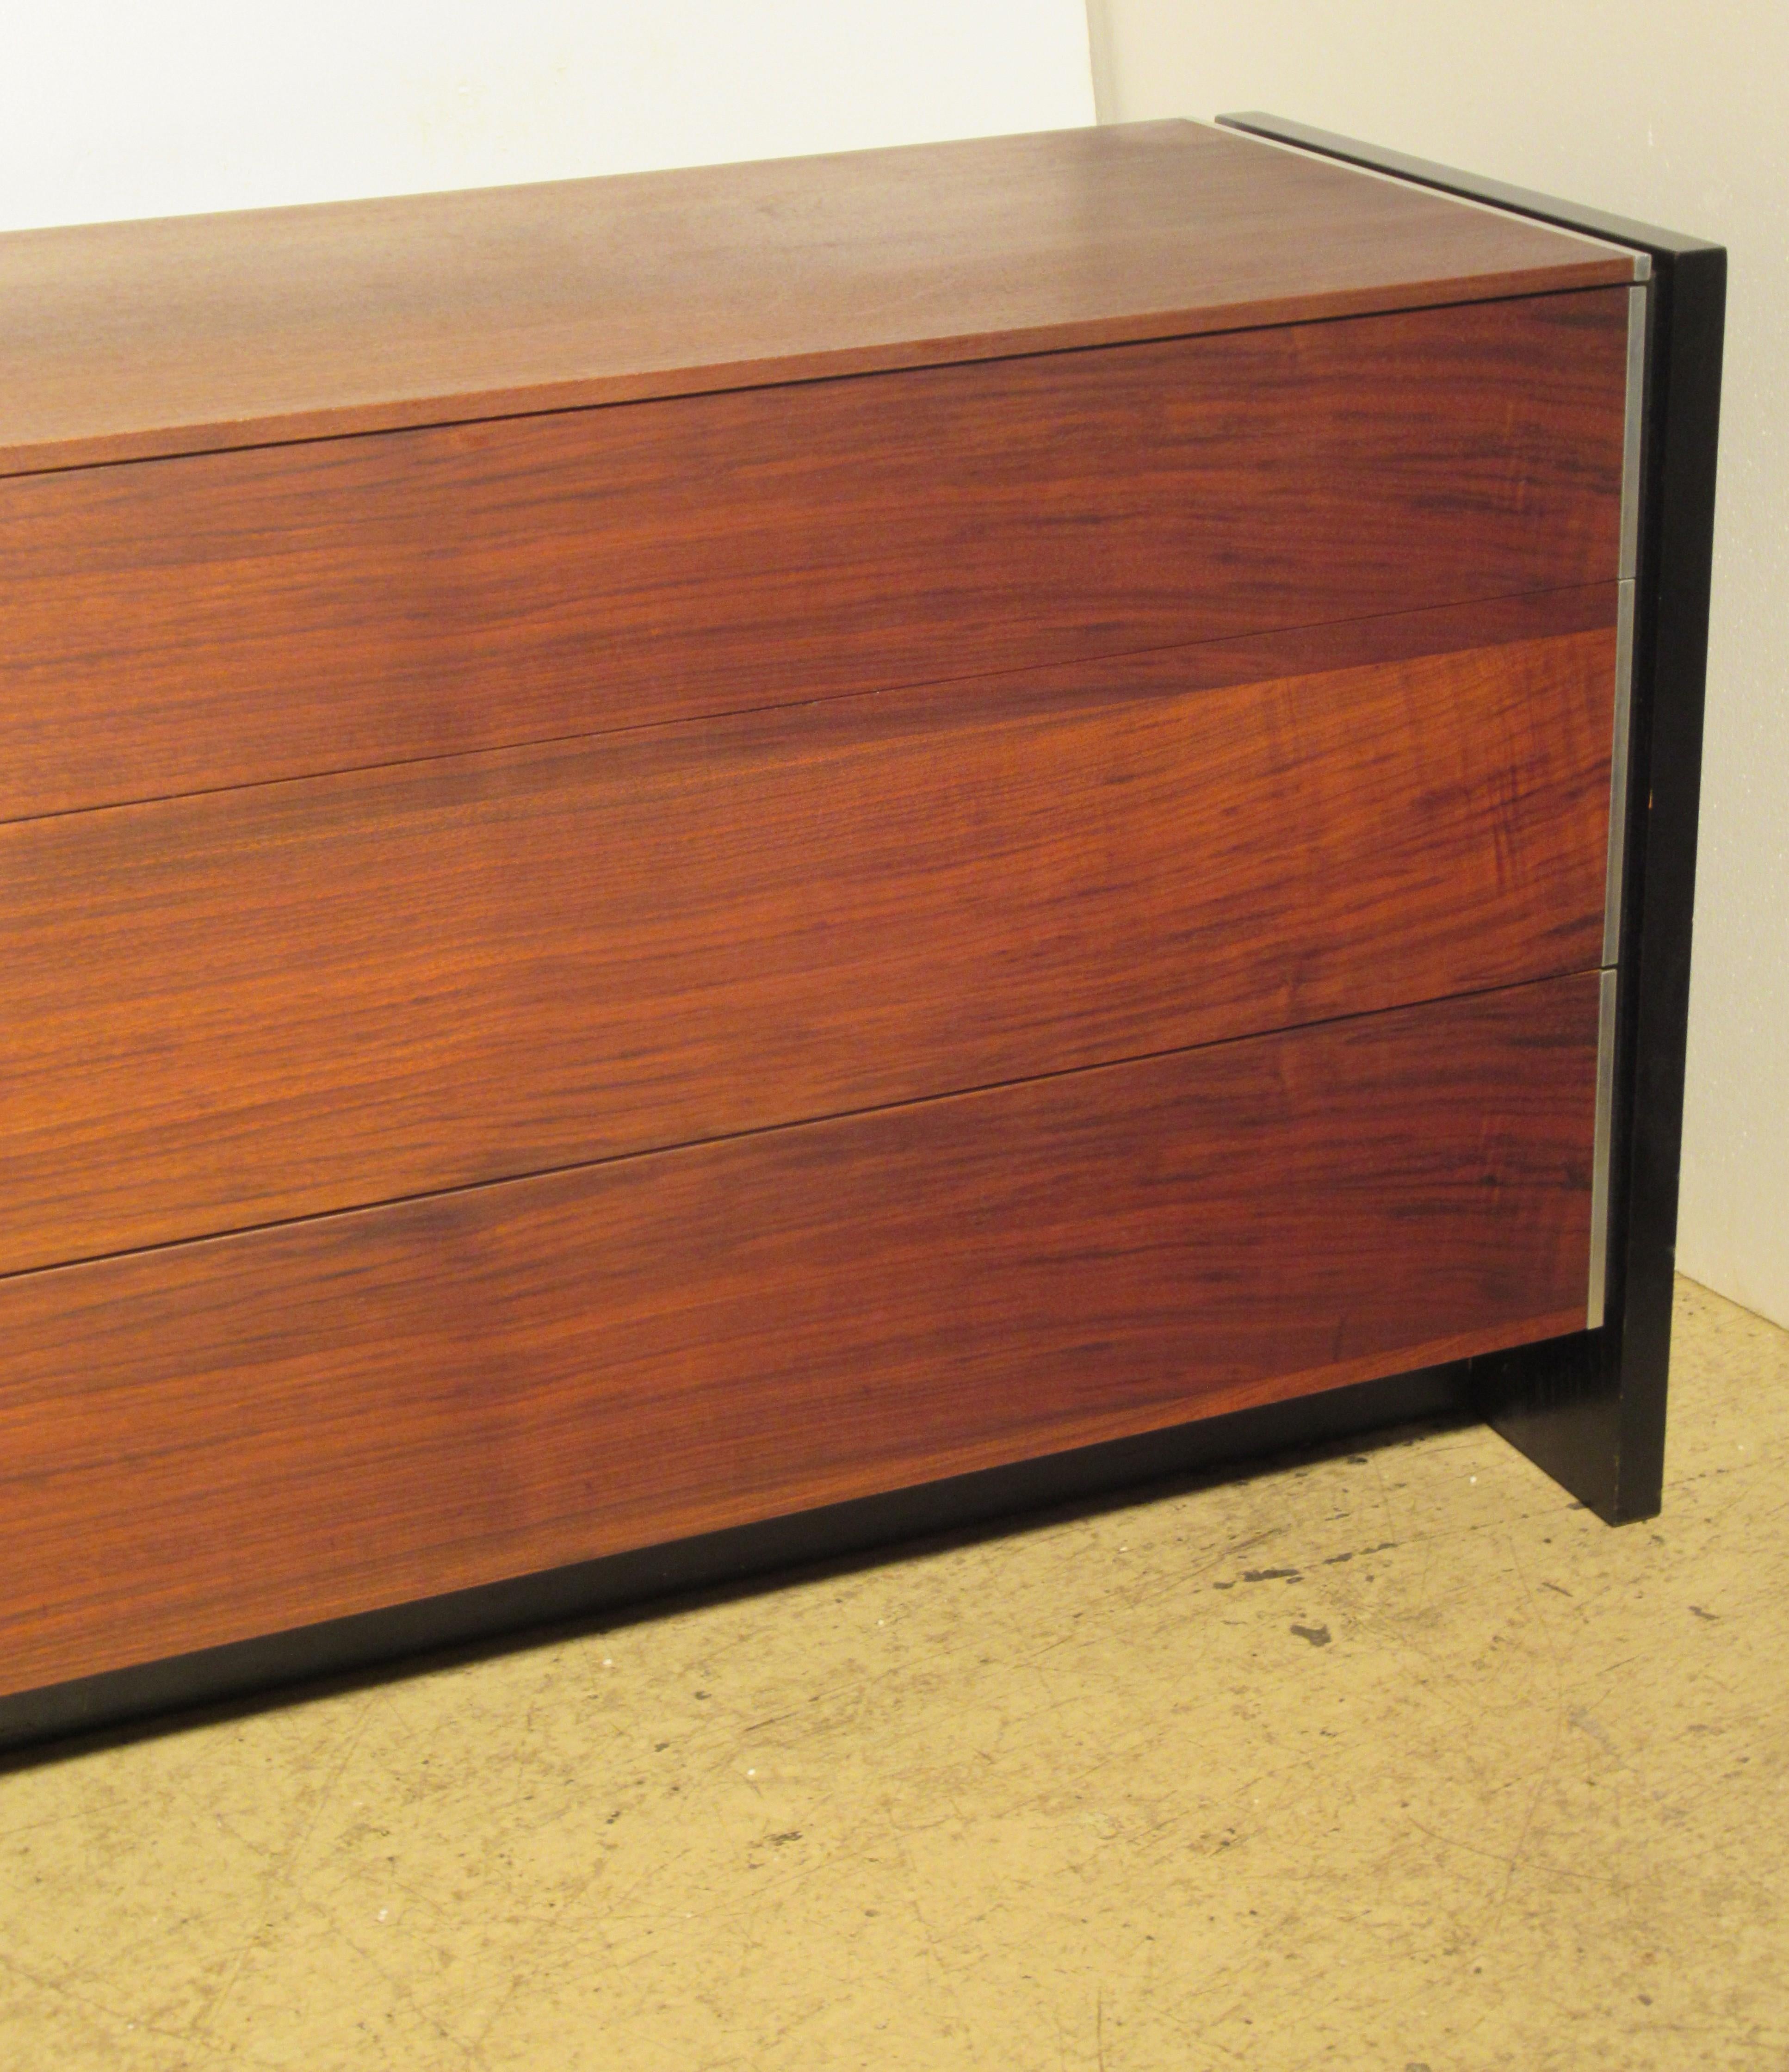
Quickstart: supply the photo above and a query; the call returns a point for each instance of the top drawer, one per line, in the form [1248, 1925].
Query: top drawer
[227, 618]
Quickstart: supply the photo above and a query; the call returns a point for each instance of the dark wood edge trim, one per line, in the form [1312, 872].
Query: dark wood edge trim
[1471, 186]
[498, 1617]
[1590, 1409]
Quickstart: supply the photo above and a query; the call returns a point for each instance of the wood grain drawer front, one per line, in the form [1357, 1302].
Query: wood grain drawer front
[256, 1432]
[228, 619]
[233, 1009]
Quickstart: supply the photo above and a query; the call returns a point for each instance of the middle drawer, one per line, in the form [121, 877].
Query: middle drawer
[235, 1008]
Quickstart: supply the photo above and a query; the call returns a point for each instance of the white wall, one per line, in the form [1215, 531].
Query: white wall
[1679, 115]
[109, 110]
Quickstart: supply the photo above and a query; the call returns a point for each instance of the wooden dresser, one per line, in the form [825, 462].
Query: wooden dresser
[679, 849]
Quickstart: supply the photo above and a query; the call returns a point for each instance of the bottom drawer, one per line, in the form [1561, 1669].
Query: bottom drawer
[217, 1440]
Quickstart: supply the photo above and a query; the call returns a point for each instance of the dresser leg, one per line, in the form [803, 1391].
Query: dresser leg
[1584, 1415]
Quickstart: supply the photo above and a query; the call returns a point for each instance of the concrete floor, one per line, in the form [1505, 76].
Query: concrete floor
[1391, 1759]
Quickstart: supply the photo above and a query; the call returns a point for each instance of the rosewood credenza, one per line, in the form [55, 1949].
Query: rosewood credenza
[696, 866]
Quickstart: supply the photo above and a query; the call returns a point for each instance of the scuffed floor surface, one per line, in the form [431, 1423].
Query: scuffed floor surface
[1393, 1760]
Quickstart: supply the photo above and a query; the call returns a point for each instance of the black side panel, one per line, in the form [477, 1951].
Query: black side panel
[1591, 1408]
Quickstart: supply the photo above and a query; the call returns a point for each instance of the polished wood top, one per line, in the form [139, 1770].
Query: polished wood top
[190, 334]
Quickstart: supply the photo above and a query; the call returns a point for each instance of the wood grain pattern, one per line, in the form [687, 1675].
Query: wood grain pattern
[123, 340]
[255, 1433]
[237, 618]
[239, 1008]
